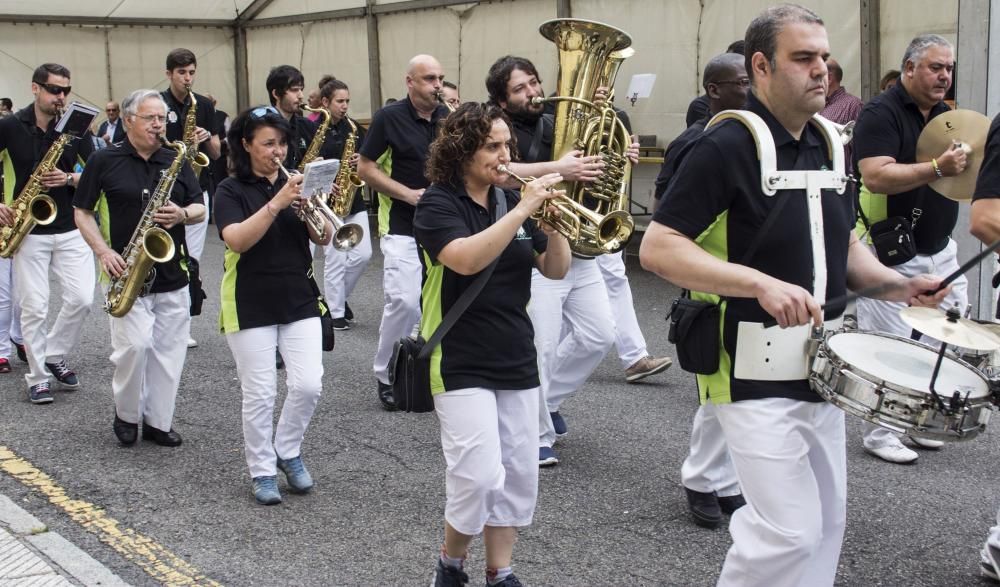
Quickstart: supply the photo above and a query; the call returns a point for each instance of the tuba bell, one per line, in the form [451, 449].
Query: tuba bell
[590, 54]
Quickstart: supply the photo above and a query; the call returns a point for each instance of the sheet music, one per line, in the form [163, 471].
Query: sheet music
[319, 176]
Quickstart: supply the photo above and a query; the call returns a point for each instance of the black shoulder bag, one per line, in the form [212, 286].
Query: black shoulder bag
[892, 238]
[410, 367]
[694, 324]
[325, 318]
[195, 289]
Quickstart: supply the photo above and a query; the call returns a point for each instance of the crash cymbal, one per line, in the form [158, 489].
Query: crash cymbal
[967, 127]
[960, 332]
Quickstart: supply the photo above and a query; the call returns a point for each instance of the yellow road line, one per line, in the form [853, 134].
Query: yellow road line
[159, 563]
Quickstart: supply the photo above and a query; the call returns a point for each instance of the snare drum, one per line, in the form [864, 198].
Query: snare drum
[885, 379]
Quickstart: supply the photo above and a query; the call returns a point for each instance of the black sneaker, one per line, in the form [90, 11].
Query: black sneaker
[385, 396]
[730, 503]
[445, 576]
[22, 353]
[63, 374]
[704, 508]
[39, 393]
[348, 314]
[509, 581]
[340, 324]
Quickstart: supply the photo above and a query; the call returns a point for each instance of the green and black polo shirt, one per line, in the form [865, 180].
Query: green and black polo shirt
[492, 344]
[268, 284]
[118, 184]
[22, 147]
[715, 199]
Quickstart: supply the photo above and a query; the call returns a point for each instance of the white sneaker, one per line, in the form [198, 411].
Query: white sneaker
[192, 343]
[926, 443]
[988, 562]
[894, 452]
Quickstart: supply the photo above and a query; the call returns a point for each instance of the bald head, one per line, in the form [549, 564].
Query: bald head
[724, 79]
[421, 62]
[722, 67]
[424, 78]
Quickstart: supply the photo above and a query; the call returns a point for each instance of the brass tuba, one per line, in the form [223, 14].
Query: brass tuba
[32, 206]
[590, 54]
[198, 159]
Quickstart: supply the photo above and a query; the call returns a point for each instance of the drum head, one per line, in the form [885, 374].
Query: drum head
[906, 364]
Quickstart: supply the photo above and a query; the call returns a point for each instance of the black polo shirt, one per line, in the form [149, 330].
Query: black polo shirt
[399, 127]
[675, 154]
[988, 182]
[889, 126]
[113, 185]
[269, 283]
[715, 199]
[302, 133]
[204, 117]
[333, 148]
[492, 344]
[698, 108]
[22, 147]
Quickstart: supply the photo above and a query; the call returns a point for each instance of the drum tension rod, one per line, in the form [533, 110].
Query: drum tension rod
[953, 315]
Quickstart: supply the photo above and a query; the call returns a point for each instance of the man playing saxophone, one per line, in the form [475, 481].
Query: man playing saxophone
[53, 249]
[120, 184]
[285, 87]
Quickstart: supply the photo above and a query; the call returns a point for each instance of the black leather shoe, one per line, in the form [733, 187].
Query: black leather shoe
[278, 361]
[126, 432]
[704, 508]
[348, 313]
[730, 503]
[385, 396]
[160, 437]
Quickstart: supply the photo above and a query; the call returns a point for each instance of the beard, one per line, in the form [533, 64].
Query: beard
[528, 113]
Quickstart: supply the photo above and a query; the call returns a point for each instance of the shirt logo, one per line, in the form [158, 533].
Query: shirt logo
[172, 116]
[521, 235]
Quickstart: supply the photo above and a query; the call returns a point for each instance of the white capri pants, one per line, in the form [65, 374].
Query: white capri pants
[792, 464]
[343, 269]
[149, 347]
[300, 344]
[883, 316]
[68, 258]
[708, 467]
[490, 447]
[10, 310]
[629, 341]
[401, 283]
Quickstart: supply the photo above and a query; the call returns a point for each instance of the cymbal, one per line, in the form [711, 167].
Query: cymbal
[964, 333]
[969, 128]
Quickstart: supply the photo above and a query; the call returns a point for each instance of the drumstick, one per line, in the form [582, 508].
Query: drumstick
[916, 334]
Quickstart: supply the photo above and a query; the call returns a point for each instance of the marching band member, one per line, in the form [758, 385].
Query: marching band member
[787, 444]
[342, 269]
[149, 342]
[450, 93]
[56, 249]
[407, 127]
[268, 302]
[486, 387]
[285, 86]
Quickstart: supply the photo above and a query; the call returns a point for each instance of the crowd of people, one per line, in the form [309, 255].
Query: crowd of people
[461, 190]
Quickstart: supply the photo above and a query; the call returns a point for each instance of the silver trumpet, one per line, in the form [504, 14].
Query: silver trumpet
[315, 212]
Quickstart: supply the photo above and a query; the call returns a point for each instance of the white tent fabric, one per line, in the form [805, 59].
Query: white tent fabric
[213, 9]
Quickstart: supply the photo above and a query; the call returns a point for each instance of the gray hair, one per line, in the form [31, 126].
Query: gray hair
[130, 105]
[762, 34]
[919, 45]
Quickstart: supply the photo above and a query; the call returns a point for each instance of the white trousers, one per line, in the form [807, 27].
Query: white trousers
[401, 283]
[253, 349]
[792, 465]
[149, 345]
[578, 304]
[67, 257]
[194, 234]
[708, 467]
[10, 310]
[629, 341]
[488, 439]
[992, 540]
[883, 316]
[343, 269]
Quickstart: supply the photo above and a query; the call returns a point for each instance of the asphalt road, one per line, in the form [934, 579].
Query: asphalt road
[612, 513]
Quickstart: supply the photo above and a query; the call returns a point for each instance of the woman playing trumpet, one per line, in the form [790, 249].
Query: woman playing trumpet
[485, 387]
[268, 301]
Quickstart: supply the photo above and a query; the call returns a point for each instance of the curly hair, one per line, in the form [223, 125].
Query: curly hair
[460, 135]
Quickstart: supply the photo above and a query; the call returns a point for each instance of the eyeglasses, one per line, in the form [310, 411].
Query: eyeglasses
[743, 82]
[148, 118]
[56, 90]
[263, 111]
[111, 110]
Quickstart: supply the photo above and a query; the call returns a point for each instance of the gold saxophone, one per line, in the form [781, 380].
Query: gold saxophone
[590, 54]
[149, 244]
[440, 98]
[198, 159]
[312, 153]
[32, 206]
[347, 179]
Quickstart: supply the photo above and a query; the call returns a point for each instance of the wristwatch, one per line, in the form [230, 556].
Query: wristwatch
[69, 179]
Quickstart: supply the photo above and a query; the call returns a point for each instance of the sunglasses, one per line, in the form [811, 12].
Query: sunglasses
[56, 90]
[263, 111]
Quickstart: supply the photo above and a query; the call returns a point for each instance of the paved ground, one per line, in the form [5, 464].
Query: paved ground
[612, 513]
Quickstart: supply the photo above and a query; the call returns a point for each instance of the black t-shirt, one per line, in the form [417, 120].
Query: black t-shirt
[492, 344]
[204, 117]
[22, 147]
[269, 283]
[333, 148]
[399, 127]
[698, 108]
[988, 182]
[715, 200]
[675, 154]
[303, 132]
[118, 184]
[889, 126]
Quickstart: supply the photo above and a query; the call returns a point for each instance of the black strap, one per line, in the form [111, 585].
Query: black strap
[536, 141]
[772, 217]
[468, 295]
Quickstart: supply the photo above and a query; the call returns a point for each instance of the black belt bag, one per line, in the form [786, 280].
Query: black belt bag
[694, 330]
[893, 241]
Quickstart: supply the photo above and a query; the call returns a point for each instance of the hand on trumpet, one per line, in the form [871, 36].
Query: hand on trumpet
[290, 194]
[536, 193]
